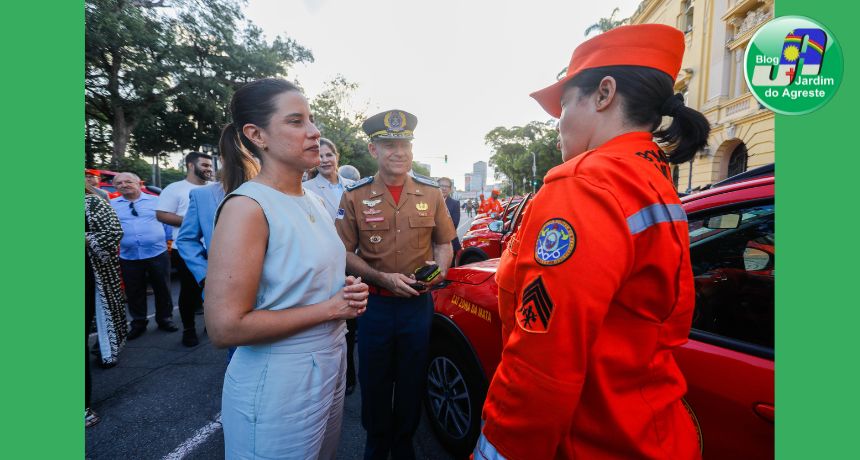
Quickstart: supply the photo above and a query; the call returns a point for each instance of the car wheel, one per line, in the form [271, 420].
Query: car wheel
[454, 397]
[472, 258]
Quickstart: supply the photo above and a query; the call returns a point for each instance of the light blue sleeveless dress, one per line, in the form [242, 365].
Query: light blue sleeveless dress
[285, 400]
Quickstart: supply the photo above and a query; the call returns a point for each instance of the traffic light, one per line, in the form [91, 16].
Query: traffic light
[446, 158]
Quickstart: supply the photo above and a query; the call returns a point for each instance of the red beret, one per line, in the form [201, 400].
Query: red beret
[656, 46]
[92, 172]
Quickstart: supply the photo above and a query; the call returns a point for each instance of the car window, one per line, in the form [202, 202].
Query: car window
[733, 254]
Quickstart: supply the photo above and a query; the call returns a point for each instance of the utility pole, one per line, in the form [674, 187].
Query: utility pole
[534, 171]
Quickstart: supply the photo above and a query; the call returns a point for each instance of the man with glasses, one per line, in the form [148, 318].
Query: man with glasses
[446, 185]
[142, 255]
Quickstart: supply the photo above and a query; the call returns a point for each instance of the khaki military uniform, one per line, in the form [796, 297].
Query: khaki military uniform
[394, 238]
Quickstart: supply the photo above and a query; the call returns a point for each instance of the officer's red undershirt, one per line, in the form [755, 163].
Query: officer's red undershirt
[395, 192]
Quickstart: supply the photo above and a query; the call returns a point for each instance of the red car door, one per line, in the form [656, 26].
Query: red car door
[729, 361]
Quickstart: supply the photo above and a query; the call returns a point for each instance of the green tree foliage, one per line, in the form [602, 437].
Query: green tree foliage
[606, 24]
[159, 78]
[341, 126]
[420, 169]
[513, 148]
[602, 25]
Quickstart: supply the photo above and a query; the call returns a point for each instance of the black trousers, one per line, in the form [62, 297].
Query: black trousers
[190, 293]
[392, 353]
[90, 305]
[135, 275]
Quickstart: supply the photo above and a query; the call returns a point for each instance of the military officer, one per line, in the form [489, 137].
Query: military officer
[391, 225]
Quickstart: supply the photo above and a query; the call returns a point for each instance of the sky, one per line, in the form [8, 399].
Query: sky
[462, 67]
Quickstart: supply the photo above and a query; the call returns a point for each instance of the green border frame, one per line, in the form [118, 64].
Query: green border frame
[43, 290]
[43, 119]
[816, 322]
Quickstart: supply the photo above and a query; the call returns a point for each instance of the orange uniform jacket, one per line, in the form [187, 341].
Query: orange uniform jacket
[490, 205]
[595, 291]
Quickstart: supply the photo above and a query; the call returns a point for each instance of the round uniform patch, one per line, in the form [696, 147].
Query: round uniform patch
[556, 242]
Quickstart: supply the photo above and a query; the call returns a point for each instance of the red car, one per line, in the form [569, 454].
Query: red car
[728, 362]
[483, 240]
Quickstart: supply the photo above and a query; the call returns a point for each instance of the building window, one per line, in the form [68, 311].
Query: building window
[738, 160]
[687, 16]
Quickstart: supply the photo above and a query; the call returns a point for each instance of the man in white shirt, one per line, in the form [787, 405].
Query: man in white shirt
[172, 206]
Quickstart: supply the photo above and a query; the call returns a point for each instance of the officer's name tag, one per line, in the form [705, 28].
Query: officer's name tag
[340, 214]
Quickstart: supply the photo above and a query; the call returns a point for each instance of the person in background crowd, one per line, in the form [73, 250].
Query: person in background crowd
[142, 255]
[93, 178]
[349, 172]
[276, 286]
[445, 185]
[392, 225]
[329, 185]
[195, 236]
[467, 204]
[491, 205]
[596, 287]
[102, 288]
[172, 206]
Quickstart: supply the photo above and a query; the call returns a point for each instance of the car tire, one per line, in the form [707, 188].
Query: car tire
[454, 396]
[471, 258]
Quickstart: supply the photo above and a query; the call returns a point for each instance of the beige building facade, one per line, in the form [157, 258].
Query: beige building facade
[712, 81]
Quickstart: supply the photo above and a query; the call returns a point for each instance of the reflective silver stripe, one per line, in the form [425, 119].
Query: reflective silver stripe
[655, 214]
[486, 451]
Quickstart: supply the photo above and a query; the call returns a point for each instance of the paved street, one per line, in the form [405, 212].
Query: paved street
[163, 401]
[465, 223]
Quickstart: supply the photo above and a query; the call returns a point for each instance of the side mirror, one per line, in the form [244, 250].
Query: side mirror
[725, 221]
[755, 259]
[496, 226]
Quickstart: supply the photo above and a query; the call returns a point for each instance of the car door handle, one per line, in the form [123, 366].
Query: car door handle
[765, 411]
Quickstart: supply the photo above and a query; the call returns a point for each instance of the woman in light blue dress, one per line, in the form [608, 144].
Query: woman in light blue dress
[275, 285]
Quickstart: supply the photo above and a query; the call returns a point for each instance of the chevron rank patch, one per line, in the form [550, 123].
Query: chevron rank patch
[536, 311]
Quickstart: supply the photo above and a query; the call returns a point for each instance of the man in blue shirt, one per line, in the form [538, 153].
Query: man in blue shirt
[193, 240]
[142, 255]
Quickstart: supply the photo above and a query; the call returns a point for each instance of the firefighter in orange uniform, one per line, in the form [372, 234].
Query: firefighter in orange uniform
[491, 205]
[596, 288]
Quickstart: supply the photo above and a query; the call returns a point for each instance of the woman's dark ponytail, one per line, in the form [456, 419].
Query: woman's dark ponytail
[253, 103]
[688, 132]
[647, 97]
[239, 165]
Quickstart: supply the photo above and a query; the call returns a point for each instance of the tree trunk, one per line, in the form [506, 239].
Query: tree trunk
[89, 155]
[120, 136]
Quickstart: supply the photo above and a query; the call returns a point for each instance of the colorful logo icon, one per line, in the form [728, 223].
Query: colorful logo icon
[793, 65]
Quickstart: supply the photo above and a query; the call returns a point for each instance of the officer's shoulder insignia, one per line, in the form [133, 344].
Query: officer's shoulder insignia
[360, 183]
[556, 242]
[425, 180]
[536, 311]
